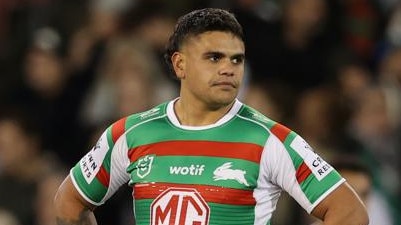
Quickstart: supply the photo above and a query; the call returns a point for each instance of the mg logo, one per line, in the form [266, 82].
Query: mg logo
[179, 206]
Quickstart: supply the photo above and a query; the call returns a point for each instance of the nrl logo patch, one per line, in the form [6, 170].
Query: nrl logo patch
[144, 165]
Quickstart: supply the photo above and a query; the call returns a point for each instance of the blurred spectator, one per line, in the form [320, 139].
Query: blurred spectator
[19, 20]
[352, 79]
[320, 116]
[393, 29]
[21, 165]
[268, 10]
[6, 218]
[390, 79]
[377, 139]
[291, 53]
[360, 24]
[151, 23]
[258, 96]
[48, 94]
[127, 83]
[100, 24]
[391, 37]
[43, 202]
[387, 5]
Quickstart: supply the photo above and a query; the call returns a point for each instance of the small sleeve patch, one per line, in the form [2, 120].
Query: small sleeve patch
[91, 163]
[316, 164]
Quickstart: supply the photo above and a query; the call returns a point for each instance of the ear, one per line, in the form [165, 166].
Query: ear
[178, 61]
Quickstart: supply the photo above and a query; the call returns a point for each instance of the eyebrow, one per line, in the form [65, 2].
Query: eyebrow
[239, 55]
[220, 54]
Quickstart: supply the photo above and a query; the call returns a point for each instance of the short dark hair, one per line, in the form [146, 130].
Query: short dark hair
[198, 22]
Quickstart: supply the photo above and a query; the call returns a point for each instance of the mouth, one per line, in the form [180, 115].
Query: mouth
[225, 84]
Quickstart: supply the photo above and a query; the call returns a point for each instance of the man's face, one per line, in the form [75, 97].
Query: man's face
[211, 67]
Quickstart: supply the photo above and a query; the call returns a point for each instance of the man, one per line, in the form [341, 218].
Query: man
[205, 158]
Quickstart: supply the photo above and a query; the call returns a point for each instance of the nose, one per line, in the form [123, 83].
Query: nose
[227, 68]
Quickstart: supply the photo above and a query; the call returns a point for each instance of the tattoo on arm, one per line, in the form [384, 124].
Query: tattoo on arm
[84, 219]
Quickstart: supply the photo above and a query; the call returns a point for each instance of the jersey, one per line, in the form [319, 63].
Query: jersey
[231, 172]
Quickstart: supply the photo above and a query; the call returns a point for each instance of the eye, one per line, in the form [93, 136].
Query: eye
[214, 57]
[237, 60]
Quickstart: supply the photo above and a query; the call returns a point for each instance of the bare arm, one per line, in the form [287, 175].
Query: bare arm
[71, 208]
[342, 207]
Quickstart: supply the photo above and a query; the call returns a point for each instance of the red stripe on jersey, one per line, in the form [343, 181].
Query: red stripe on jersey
[303, 172]
[103, 176]
[209, 193]
[280, 131]
[246, 151]
[118, 129]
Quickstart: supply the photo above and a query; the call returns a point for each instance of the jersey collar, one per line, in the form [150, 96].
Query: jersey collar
[174, 120]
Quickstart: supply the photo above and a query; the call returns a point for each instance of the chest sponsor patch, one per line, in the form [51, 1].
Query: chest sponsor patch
[90, 164]
[180, 206]
[316, 164]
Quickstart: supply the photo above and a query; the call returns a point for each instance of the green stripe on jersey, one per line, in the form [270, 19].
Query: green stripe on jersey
[159, 130]
[199, 170]
[229, 214]
[312, 187]
[252, 114]
[95, 191]
[296, 159]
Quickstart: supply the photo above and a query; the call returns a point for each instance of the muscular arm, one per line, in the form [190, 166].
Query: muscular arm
[71, 208]
[342, 207]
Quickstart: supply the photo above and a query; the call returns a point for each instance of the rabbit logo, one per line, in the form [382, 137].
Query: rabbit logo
[224, 172]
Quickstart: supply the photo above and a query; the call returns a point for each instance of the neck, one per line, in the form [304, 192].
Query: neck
[192, 113]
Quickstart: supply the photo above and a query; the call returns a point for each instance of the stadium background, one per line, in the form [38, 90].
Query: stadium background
[330, 70]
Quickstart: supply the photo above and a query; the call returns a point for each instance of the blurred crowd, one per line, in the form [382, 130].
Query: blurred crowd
[330, 70]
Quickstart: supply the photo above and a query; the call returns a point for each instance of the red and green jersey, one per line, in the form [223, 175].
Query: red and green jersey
[231, 172]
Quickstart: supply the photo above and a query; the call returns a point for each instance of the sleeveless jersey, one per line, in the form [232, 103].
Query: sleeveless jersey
[231, 172]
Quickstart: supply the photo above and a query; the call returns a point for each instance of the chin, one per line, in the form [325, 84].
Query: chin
[221, 102]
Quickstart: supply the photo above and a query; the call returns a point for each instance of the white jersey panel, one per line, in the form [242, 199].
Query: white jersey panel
[118, 163]
[276, 173]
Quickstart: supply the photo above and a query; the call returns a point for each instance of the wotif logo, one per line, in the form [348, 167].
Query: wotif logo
[224, 172]
[192, 170]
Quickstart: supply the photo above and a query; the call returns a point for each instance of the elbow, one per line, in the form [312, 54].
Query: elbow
[364, 218]
[359, 216]
[58, 202]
